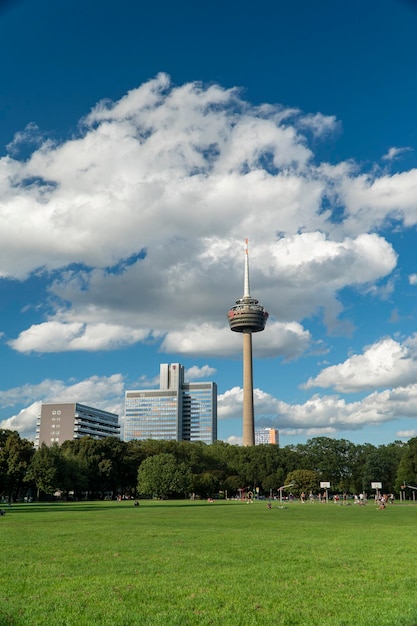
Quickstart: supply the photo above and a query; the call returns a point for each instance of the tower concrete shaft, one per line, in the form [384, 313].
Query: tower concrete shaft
[248, 410]
[247, 317]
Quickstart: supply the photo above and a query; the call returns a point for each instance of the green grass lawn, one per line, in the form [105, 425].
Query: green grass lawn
[114, 564]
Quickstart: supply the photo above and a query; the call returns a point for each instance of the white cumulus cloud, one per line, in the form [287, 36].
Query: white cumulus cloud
[195, 372]
[322, 414]
[386, 363]
[137, 222]
[56, 336]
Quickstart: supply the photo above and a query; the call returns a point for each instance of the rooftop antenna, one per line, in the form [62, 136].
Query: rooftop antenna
[246, 289]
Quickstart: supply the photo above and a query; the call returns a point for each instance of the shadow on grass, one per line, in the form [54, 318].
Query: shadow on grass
[59, 507]
[65, 507]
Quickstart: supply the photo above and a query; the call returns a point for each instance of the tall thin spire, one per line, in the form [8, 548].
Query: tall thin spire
[246, 290]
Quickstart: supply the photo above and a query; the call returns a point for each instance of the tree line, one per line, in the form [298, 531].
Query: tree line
[91, 468]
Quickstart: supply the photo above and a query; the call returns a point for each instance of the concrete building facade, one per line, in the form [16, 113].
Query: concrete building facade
[177, 411]
[61, 421]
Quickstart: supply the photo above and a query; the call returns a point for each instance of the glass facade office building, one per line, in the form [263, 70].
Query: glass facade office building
[177, 410]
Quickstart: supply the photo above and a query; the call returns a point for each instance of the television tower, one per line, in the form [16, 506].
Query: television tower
[247, 317]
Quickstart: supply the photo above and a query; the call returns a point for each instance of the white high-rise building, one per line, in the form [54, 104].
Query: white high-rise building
[267, 435]
[178, 410]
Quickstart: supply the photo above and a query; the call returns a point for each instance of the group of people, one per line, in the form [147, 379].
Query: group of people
[382, 500]
[321, 497]
[361, 499]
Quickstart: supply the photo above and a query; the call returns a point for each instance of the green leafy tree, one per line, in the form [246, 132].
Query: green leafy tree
[407, 467]
[15, 458]
[305, 480]
[206, 484]
[290, 458]
[162, 475]
[113, 471]
[273, 482]
[47, 469]
[382, 465]
[19, 455]
[85, 451]
[359, 455]
[104, 464]
[194, 454]
[134, 455]
[76, 471]
[4, 476]
[259, 463]
[231, 485]
[331, 459]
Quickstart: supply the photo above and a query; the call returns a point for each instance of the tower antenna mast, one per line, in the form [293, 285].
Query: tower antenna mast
[246, 288]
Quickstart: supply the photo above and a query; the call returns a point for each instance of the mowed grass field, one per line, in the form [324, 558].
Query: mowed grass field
[182, 562]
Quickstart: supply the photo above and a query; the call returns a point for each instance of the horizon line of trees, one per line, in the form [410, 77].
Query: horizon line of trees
[91, 468]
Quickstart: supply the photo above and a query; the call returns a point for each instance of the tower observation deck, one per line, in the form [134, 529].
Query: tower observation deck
[247, 316]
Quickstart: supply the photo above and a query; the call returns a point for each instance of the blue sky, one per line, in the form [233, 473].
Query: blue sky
[140, 146]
